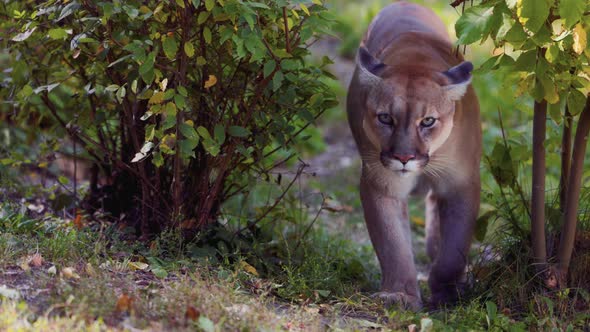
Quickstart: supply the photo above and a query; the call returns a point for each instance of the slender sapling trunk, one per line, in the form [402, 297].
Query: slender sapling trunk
[538, 190]
[566, 148]
[568, 234]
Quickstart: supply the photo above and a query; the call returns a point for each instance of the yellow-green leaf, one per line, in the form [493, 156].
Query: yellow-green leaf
[550, 90]
[304, 8]
[580, 39]
[189, 49]
[156, 98]
[134, 266]
[207, 35]
[552, 53]
[57, 33]
[203, 16]
[571, 11]
[209, 4]
[532, 13]
[170, 47]
[248, 268]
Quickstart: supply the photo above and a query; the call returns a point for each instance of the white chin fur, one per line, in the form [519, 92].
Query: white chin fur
[396, 166]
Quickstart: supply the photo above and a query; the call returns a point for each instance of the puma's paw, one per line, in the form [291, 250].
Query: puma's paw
[401, 299]
[449, 294]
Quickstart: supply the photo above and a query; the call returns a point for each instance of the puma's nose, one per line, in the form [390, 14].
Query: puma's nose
[404, 158]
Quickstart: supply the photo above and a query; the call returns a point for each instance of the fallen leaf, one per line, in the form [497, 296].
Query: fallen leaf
[312, 310]
[342, 208]
[248, 268]
[426, 324]
[192, 313]
[124, 303]
[36, 208]
[23, 263]
[134, 266]
[70, 273]
[239, 310]
[334, 206]
[211, 81]
[78, 221]
[418, 221]
[36, 260]
[206, 324]
[90, 270]
[9, 293]
[367, 324]
[159, 272]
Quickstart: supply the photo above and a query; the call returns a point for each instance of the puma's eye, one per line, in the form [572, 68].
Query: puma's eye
[428, 122]
[385, 118]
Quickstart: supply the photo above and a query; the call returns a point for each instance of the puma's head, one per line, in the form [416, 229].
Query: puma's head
[409, 109]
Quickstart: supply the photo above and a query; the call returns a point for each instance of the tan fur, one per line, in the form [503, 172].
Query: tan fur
[413, 44]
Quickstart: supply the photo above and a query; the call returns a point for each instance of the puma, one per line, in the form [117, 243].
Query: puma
[415, 120]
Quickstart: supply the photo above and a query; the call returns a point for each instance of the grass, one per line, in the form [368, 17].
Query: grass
[55, 276]
[79, 279]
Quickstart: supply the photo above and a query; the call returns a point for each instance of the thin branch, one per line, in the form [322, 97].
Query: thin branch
[456, 3]
[287, 43]
[302, 166]
[311, 223]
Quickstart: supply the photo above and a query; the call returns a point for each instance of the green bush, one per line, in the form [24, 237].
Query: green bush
[178, 104]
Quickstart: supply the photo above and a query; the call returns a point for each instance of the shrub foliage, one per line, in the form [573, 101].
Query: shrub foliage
[179, 104]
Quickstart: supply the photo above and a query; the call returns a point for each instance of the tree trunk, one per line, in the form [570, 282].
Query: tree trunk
[566, 149]
[568, 234]
[538, 190]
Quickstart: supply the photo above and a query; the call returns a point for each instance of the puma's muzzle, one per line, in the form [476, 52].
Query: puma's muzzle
[403, 162]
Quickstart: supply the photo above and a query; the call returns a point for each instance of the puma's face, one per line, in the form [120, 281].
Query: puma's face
[408, 113]
[408, 121]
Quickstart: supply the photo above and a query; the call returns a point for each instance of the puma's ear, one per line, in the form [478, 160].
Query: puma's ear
[370, 67]
[459, 78]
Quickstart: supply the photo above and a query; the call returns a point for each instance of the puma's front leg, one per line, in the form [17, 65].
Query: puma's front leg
[432, 226]
[457, 212]
[388, 226]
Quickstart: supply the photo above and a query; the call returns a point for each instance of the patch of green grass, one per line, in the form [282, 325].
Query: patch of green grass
[325, 267]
